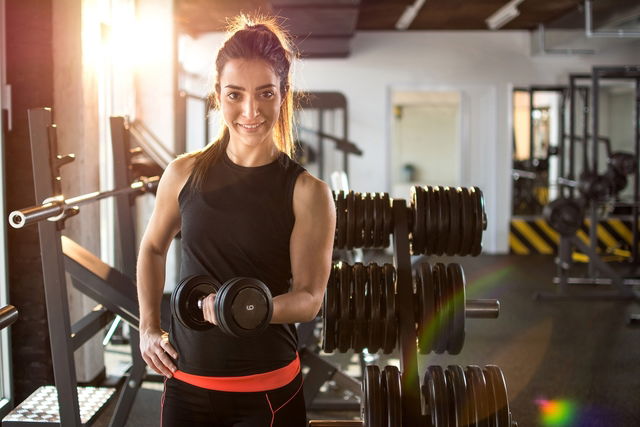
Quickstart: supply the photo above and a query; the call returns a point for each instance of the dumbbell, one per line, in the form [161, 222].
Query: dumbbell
[243, 306]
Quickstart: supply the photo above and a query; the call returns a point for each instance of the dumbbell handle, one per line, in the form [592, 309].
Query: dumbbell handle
[201, 301]
[482, 308]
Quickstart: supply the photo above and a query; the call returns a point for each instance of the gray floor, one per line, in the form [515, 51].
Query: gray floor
[579, 354]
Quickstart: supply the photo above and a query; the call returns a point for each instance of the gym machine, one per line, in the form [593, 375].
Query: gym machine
[66, 403]
[566, 215]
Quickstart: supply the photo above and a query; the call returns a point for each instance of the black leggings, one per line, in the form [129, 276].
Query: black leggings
[187, 405]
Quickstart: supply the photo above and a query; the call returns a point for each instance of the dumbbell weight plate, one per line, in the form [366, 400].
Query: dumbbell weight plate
[375, 314]
[426, 306]
[418, 232]
[438, 398]
[184, 301]
[372, 401]
[494, 376]
[243, 306]
[389, 299]
[467, 222]
[330, 312]
[344, 322]
[460, 391]
[359, 308]
[382, 221]
[378, 221]
[341, 228]
[453, 243]
[458, 304]
[359, 215]
[453, 408]
[433, 218]
[368, 221]
[388, 218]
[445, 216]
[436, 196]
[392, 385]
[479, 223]
[351, 219]
[491, 398]
[482, 399]
[472, 399]
[442, 309]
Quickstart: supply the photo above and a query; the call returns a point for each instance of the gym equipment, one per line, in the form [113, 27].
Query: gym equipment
[59, 208]
[442, 220]
[564, 215]
[360, 308]
[454, 396]
[243, 306]
[623, 163]
[8, 316]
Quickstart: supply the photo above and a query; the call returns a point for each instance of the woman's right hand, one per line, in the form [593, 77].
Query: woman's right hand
[156, 349]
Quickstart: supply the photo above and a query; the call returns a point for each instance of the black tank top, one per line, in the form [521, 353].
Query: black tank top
[239, 224]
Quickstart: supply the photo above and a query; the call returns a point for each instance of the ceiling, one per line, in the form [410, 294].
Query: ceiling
[323, 28]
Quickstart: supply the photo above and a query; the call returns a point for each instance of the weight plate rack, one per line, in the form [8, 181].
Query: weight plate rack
[384, 307]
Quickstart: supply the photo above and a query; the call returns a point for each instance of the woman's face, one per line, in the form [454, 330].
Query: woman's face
[250, 99]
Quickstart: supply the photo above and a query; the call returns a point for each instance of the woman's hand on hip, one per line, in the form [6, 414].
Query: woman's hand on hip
[156, 349]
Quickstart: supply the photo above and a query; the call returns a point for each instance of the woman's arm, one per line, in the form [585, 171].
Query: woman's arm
[163, 225]
[311, 248]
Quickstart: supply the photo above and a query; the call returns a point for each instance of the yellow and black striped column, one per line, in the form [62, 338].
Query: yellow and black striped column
[533, 235]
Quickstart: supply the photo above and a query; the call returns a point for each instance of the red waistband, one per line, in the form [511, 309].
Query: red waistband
[247, 383]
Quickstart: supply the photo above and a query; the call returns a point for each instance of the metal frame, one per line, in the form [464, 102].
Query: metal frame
[596, 265]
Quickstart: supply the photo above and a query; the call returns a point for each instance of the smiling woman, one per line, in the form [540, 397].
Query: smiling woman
[244, 208]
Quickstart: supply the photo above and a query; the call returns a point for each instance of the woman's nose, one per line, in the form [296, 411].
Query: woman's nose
[250, 108]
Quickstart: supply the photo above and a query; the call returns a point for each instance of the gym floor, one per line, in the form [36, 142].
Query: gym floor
[565, 362]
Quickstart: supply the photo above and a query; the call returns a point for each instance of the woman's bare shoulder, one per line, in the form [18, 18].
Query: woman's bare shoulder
[178, 171]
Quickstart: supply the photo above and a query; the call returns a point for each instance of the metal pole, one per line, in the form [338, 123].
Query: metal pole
[636, 182]
[572, 132]
[531, 130]
[593, 227]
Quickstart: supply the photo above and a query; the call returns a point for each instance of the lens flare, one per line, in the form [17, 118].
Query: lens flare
[557, 413]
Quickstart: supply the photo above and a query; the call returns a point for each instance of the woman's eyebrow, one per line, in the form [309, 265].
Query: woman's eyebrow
[258, 88]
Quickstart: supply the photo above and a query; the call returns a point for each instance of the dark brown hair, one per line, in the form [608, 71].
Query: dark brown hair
[258, 37]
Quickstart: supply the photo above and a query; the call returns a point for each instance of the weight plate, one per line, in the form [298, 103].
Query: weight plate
[467, 222]
[243, 306]
[344, 320]
[445, 216]
[341, 227]
[458, 304]
[453, 244]
[184, 301]
[330, 312]
[436, 197]
[424, 301]
[388, 218]
[372, 402]
[491, 398]
[418, 232]
[452, 409]
[476, 249]
[351, 219]
[441, 396]
[392, 384]
[494, 376]
[441, 314]
[391, 323]
[482, 399]
[472, 399]
[378, 221]
[359, 215]
[359, 305]
[432, 219]
[368, 221]
[459, 386]
[376, 328]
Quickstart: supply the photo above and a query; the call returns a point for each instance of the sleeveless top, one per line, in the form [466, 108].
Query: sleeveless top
[238, 224]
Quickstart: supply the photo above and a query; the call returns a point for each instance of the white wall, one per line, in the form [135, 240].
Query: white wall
[483, 65]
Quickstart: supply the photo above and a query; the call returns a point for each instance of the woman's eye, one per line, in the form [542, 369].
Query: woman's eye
[233, 96]
[268, 94]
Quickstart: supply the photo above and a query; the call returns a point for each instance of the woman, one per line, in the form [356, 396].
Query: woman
[243, 208]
